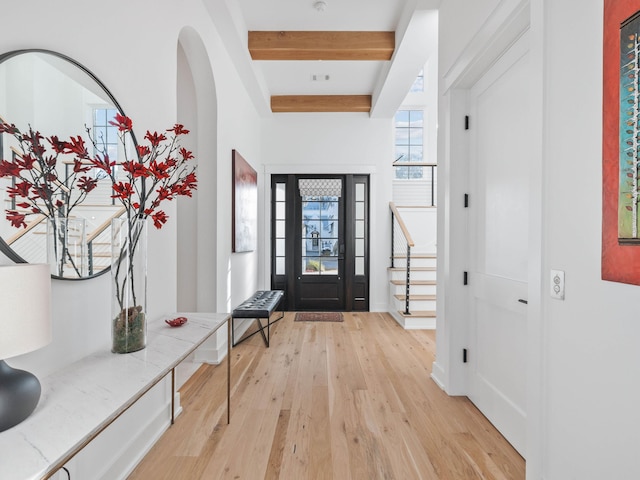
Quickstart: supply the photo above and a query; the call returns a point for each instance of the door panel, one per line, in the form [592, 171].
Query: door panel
[319, 293]
[499, 221]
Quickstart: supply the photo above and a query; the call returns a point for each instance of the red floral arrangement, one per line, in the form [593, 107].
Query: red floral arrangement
[160, 172]
[36, 188]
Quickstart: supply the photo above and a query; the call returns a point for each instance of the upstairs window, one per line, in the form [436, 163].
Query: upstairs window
[106, 135]
[409, 144]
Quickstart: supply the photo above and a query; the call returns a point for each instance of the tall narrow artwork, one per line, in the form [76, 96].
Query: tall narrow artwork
[621, 142]
[245, 205]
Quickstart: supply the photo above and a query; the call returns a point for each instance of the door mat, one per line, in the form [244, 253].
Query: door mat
[319, 317]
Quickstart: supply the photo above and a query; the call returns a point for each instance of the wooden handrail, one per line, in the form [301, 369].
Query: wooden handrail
[102, 227]
[403, 227]
[32, 224]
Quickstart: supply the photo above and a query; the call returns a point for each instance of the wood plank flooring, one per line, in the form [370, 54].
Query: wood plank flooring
[328, 400]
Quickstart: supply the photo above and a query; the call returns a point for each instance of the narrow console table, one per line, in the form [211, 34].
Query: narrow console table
[81, 400]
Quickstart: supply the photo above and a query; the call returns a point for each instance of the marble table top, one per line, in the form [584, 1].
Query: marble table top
[80, 400]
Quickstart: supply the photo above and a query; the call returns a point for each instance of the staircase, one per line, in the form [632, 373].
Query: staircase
[412, 277]
[422, 291]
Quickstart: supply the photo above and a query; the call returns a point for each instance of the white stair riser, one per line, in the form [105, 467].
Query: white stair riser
[413, 323]
[415, 289]
[414, 275]
[415, 262]
[416, 305]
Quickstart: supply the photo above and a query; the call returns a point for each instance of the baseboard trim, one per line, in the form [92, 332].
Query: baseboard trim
[437, 375]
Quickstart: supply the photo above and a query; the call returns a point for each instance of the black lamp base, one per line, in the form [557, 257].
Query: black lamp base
[19, 395]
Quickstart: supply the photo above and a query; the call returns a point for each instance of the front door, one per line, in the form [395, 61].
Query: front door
[499, 242]
[320, 241]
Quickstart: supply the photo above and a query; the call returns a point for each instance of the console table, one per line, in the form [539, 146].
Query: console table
[81, 400]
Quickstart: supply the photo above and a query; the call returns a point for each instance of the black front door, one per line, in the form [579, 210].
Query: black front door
[319, 226]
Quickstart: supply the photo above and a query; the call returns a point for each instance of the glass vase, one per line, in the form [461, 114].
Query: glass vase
[67, 247]
[128, 284]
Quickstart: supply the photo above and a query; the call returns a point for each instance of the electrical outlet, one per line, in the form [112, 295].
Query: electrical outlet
[557, 284]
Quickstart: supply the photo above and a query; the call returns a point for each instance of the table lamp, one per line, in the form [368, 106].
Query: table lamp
[25, 326]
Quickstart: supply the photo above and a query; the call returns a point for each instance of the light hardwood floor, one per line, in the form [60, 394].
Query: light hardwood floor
[349, 400]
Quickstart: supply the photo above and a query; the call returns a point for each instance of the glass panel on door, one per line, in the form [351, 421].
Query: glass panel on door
[320, 226]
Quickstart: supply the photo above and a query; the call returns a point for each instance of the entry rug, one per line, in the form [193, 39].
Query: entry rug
[319, 317]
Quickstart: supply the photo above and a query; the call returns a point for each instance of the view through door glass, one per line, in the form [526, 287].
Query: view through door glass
[320, 233]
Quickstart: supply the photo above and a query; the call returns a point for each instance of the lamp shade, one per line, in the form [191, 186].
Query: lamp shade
[25, 308]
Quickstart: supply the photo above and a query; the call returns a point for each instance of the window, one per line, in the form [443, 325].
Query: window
[279, 221]
[106, 135]
[409, 144]
[360, 227]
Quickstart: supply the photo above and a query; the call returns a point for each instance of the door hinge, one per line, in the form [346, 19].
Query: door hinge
[464, 355]
[466, 122]
[466, 200]
[465, 280]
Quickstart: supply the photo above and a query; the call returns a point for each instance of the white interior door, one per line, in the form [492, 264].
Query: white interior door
[498, 243]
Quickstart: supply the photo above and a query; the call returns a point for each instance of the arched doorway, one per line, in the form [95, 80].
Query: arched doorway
[196, 237]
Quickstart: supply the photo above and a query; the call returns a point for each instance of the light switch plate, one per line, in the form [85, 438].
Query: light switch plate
[557, 284]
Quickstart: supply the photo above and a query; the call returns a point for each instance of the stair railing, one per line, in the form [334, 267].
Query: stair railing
[94, 235]
[401, 244]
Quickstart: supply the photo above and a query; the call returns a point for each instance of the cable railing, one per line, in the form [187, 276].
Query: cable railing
[96, 239]
[401, 245]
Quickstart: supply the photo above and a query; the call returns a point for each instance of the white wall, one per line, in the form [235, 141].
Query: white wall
[339, 143]
[588, 422]
[593, 335]
[422, 225]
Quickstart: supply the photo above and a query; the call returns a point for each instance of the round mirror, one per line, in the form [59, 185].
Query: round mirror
[54, 95]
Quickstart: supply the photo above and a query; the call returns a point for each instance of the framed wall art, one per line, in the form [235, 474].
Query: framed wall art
[244, 205]
[621, 142]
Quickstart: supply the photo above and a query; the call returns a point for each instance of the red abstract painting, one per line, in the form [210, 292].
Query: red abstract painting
[621, 142]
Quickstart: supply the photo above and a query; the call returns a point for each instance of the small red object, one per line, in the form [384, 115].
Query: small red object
[177, 322]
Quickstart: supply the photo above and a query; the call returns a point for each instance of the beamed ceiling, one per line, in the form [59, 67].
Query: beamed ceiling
[352, 56]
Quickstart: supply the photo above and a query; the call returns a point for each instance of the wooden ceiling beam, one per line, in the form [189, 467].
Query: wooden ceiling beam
[320, 103]
[315, 45]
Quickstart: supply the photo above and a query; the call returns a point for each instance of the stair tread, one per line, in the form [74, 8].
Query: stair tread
[415, 297]
[414, 282]
[424, 313]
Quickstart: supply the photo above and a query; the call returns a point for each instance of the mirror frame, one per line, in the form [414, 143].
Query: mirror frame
[4, 247]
